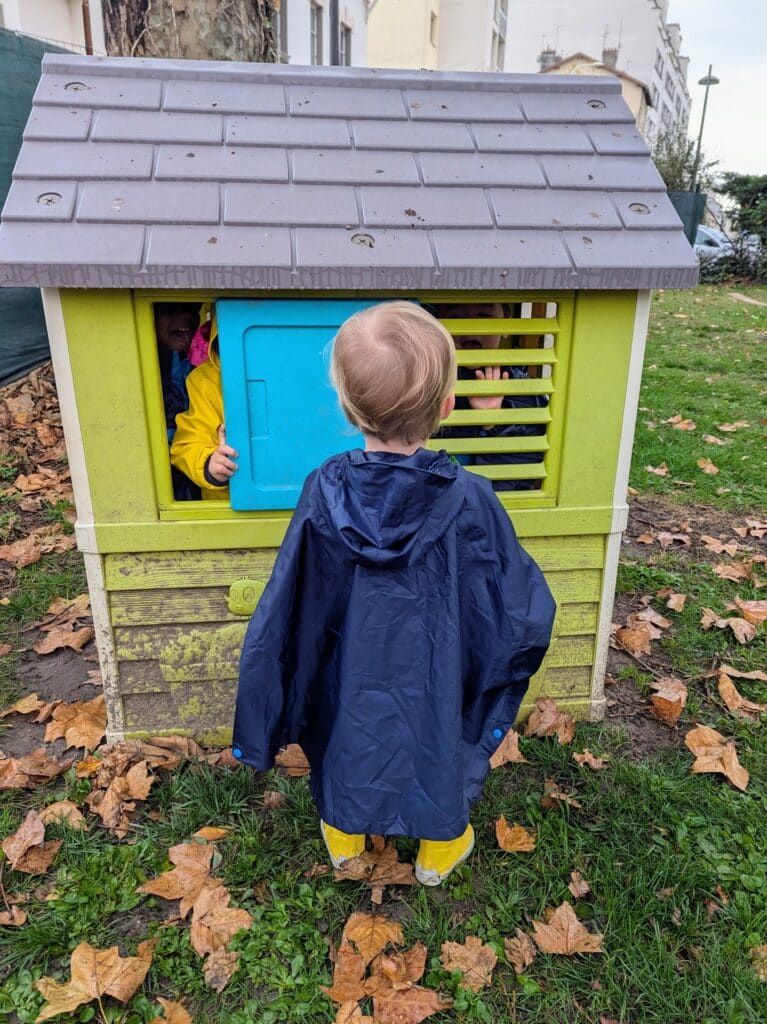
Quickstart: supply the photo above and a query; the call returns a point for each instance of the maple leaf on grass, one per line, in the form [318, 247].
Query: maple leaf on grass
[707, 466]
[64, 636]
[371, 933]
[64, 811]
[578, 885]
[94, 973]
[173, 1013]
[596, 764]
[219, 967]
[12, 918]
[31, 769]
[348, 972]
[757, 674]
[81, 723]
[214, 922]
[754, 612]
[377, 867]
[736, 703]
[409, 1007]
[563, 933]
[211, 833]
[396, 972]
[553, 796]
[635, 640]
[293, 760]
[513, 838]
[669, 699]
[473, 958]
[546, 719]
[520, 951]
[759, 961]
[716, 546]
[715, 754]
[26, 848]
[185, 881]
[507, 751]
[661, 470]
[734, 571]
[117, 802]
[350, 1013]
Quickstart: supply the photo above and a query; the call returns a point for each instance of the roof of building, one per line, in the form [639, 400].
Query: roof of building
[180, 174]
[580, 55]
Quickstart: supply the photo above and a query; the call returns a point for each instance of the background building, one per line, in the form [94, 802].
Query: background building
[303, 31]
[635, 93]
[448, 35]
[54, 21]
[633, 34]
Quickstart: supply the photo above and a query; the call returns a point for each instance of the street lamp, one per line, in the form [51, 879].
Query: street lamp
[708, 80]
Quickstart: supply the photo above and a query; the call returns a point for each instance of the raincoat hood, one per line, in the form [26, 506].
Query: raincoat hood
[386, 508]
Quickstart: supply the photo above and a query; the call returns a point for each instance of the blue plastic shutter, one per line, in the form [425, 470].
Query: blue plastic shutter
[282, 415]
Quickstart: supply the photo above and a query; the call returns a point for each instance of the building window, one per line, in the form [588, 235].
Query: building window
[315, 32]
[433, 29]
[280, 31]
[499, 34]
[666, 116]
[659, 63]
[654, 97]
[345, 46]
[678, 106]
[670, 85]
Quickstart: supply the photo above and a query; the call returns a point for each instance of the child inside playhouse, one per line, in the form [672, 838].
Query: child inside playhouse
[402, 621]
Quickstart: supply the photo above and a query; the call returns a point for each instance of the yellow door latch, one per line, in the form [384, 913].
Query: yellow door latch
[244, 595]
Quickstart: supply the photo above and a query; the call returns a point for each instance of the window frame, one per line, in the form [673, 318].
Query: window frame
[344, 45]
[316, 41]
[280, 30]
[170, 510]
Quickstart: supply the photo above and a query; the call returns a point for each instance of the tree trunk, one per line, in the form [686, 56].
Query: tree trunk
[191, 29]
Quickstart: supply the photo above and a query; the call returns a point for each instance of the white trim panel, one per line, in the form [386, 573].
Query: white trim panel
[606, 600]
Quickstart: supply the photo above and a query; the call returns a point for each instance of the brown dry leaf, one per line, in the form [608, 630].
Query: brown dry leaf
[116, 804]
[64, 811]
[636, 640]
[65, 611]
[214, 922]
[754, 612]
[736, 702]
[293, 760]
[514, 838]
[508, 752]
[26, 849]
[679, 424]
[372, 933]
[13, 918]
[591, 760]
[661, 470]
[396, 972]
[31, 769]
[473, 958]
[729, 428]
[348, 973]
[553, 796]
[377, 868]
[547, 720]
[317, 871]
[759, 961]
[94, 973]
[272, 799]
[669, 699]
[719, 548]
[649, 615]
[645, 538]
[409, 1007]
[5, 649]
[564, 934]
[757, 674]
[350, 1013]
[185, 881]
[713, 753]
[743, 630]
[81, 723]
[211, 833]
[735, 571]
[676, 602]
[520, 951]
[21, 552]
[26, 706]
[666, 539]
[578, 885]
[710, 439]
[174, 1013]
[63, 636]
[219, 968]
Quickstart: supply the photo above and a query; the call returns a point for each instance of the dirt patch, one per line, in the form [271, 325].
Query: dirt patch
[629, 711]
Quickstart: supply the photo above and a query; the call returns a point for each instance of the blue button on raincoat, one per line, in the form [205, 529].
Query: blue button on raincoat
[394, 642]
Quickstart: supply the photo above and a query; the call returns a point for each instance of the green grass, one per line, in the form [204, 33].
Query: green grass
[706, 360]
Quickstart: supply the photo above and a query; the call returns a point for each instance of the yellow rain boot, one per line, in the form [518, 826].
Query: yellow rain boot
[341, 846]
[436, 859]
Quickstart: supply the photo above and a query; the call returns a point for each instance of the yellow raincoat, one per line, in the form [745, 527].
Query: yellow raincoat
[196, 436]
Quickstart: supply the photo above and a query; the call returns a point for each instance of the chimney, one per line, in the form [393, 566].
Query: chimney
[610, 56]
[548, 57]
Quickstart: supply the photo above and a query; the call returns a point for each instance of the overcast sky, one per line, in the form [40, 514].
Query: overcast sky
[731, 35]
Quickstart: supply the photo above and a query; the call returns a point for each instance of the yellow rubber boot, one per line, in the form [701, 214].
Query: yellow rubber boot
[436, 860]
[341, 846]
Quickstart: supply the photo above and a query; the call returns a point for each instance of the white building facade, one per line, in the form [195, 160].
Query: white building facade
[648, 45]
[305, 32]
[55, 21]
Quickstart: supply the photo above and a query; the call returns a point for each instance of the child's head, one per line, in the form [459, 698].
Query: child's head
[474, 311]
[175, 324]
[394, 370]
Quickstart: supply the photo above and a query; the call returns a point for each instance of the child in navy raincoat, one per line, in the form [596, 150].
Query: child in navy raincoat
[402, 622]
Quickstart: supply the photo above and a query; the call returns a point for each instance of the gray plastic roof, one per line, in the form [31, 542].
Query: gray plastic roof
[178, 174]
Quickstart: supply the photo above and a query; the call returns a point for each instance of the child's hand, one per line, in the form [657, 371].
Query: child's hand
[488, 401]
[220, 465]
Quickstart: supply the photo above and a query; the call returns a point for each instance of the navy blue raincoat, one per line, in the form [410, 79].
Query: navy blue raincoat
[394, 642]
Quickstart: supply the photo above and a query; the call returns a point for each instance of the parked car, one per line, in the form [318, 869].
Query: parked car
[712, 244]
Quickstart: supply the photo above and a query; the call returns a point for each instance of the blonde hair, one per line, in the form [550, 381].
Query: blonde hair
[393, 366]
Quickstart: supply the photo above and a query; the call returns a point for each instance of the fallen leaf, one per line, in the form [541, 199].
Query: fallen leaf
[348, 973]
[272, 799]
[514, 838]
[378, 867]
[520, 951]
[81, 723]
[713, 753]
[564, 934]
[707, 466]
[743, 630]
[547, 720]
[730, 428]
[710, 439]
[396, 972]
[409, 1007]
[317, 871]
[754, 612]
[666, 539]
[31, 769]
[214, 922]
[553, 796]
[578, 885]
[676, 602]
[678, 423]
[669, 699]
[759, 961]
[21, 552]
[63, 636]
[661, 470]
[757, 674]
[647, 538]
[590, 760]
[350, 1013]
[26, 706]
[473, 958]
[117, 802]
[735, 702]
[211, 833]
[508, 752]
[717, 547]
[735, 571]
[293, 760]
[636, 640]
[185, 881]
[219, 968]
[94, 973]
[64, 811]
[26, 849]
[12, 918]
[174, 1013]
[371, 933]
